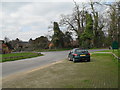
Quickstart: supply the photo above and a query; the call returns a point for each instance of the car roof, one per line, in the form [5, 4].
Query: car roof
[80, 49]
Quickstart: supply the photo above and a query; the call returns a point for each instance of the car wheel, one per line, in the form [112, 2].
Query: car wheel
[69, 59]
[74, 60]
[88, 60]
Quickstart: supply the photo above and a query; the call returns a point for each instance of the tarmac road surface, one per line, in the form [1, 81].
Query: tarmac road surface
[12, 67]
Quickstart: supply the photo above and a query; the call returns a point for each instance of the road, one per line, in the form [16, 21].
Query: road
[13, 67]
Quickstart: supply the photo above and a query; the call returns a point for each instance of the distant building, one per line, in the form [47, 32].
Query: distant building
[51, 45]
[1, 46]
[4, 48]
[18, 45]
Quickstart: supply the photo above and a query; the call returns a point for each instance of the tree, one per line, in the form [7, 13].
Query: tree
[40, 42]
[113, 25]
[98, 25]
[30, 40]
[118, 22]
[95, 24]
[75, 21]
[68, 39]
[58, 36]
[87, 35]
[6, 40]
[8, 43]
[90, 26]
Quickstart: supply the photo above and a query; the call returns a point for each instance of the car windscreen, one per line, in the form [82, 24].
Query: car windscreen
[80, 51]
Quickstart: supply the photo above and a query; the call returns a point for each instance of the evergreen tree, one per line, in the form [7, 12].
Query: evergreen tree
[58, 37]
[87, 35]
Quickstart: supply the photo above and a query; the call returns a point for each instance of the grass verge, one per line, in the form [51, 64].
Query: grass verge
[18, 56]
[47, 50]
[116, 52]
[101, 72]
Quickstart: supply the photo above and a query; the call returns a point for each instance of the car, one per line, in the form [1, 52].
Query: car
[79, 55]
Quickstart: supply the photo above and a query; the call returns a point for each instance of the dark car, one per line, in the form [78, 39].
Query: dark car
[79, 55]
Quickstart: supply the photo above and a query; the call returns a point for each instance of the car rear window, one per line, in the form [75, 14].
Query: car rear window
[82, 51]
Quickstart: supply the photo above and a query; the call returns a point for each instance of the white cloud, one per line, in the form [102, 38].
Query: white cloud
[26, 20]
[33, 16]
[56, 0]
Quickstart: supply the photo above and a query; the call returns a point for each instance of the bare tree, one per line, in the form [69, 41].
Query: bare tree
[114, 24]
[6, 40]
[75, 22]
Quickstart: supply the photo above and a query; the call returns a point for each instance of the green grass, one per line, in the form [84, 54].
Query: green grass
[0, 58]
[97, 48]
[117, 52]
[18, 56]
[61, 49]
[105, 51]
[101, 72]
[47, 50]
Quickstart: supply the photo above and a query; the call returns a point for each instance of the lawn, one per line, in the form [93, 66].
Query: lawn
[60, 49]
[101, 72]
[18, 56]
[47, 50]
[0, 58]
[117, 52]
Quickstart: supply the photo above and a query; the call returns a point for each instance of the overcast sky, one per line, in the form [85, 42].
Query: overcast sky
[25, 20]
